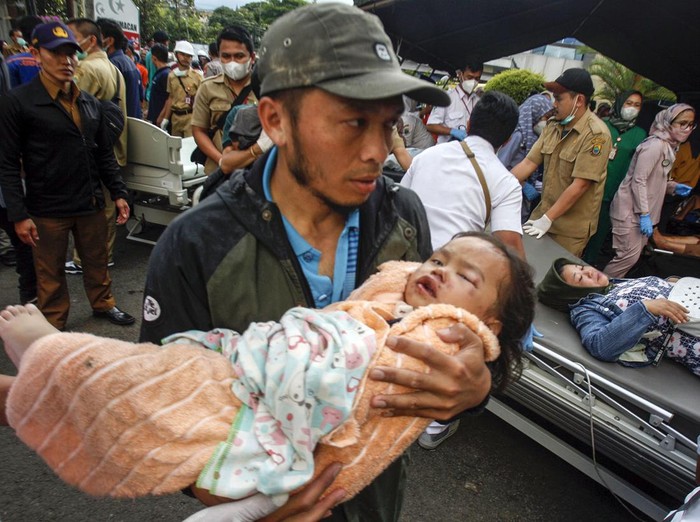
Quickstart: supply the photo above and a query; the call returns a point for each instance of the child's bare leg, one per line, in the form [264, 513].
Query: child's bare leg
[5, 383]
[20, 326]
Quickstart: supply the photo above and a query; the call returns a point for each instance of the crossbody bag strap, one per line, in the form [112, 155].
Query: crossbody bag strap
[119, 86]
[482, 179]
[242, 96]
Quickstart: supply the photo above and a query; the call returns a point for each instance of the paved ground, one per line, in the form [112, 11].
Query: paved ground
[487, 472]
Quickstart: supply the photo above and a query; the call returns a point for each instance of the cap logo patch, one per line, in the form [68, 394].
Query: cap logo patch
[151, 309]
[60, 32]
[382, 52]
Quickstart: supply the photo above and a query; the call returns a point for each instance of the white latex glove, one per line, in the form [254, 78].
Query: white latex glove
[537, 227]
[245, 510]
[264, 142]
[164, 124]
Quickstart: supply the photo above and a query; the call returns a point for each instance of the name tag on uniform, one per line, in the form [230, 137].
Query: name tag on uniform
[188, 100]
[613, 153]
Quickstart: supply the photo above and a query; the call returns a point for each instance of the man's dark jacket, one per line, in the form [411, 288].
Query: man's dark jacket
[227, 262]
[63, 164]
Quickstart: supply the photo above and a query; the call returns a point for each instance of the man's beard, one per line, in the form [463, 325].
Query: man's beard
[301, 169]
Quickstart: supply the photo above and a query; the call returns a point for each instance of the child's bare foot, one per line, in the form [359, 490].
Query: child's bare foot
[20, 326]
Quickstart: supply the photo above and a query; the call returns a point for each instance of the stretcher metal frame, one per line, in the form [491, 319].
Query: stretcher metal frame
[645, 421]
[161, 174]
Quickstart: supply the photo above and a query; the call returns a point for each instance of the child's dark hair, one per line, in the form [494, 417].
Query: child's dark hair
[515, 310]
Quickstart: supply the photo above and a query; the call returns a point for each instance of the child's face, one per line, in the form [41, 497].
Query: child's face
[467, 272]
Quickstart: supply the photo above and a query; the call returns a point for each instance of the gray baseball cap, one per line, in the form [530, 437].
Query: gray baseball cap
[340, 49]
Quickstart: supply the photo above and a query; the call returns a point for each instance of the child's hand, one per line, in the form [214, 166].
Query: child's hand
[455, 382]
[669, 309]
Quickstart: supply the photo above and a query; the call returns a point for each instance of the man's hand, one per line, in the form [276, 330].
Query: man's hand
[665, 308]
[27, 232]
[538, 227]
[455, 383]
[123, 209]
[305, 505]
[458, 134]
[528, 342]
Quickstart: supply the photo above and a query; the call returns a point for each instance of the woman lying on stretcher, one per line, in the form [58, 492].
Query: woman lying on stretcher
[627, 320]
[266, 409]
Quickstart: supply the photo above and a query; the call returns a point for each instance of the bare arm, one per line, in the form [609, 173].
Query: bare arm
[524, 169]
[166, 112]
[513, 240]
[403, 157]
[201, 137]
[439, 129]
[568, 198]
[237, 159]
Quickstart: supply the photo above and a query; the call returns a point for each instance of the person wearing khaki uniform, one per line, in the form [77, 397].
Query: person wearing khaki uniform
[17, 44]
[217, 94]
[182, 90]
[97, 76]
[183, 82]
[574, 148]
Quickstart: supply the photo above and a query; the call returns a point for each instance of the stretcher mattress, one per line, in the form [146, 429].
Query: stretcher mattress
[669, 385]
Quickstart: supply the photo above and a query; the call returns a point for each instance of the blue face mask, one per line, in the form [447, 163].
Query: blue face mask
[570, 117]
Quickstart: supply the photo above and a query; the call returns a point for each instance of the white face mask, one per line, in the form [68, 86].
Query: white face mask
[680, 135]
[537, 129]
[469, 85]
[236, 71]
[179, 72]
[629, 113]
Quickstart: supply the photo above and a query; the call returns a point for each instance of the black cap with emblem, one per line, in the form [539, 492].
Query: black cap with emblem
[340, 49]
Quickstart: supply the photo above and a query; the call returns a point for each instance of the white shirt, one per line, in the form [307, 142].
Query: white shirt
[456, 113]
[445, 180]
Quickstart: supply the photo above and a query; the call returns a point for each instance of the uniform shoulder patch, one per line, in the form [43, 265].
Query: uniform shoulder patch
[597, 145]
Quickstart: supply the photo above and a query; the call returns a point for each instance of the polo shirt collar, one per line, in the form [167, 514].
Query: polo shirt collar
[54, 89]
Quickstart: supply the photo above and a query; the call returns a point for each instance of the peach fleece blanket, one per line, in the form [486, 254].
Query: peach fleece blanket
[127, 420]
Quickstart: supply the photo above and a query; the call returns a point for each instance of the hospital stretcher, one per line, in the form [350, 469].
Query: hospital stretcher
[161, 174]
[634, 430]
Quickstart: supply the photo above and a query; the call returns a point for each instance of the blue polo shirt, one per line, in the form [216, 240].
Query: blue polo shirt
[324, 290]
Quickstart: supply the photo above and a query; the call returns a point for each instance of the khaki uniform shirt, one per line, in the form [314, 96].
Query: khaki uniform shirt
[214, 98]
[97, 76]
[182, 91]
[583, 153]
[11, 49]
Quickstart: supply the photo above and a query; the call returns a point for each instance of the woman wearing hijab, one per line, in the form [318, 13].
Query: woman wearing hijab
[636, 207]
[631, 321]
[532, 119]
[626, 136]
[534, 110]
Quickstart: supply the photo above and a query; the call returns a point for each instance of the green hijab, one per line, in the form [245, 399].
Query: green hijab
[556, 293]
[615, 118]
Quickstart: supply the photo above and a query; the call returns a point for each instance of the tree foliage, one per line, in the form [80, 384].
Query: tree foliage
[516, 83]
[616, 79]
[255, 16]
[179, 18]
[183, 21]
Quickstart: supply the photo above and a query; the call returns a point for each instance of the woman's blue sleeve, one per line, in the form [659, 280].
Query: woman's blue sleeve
[607, 334]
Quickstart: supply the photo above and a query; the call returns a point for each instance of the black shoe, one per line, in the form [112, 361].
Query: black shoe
[116, 316]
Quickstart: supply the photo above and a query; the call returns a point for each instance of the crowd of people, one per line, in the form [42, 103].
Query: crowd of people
[294, 137]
